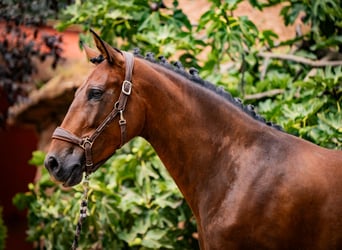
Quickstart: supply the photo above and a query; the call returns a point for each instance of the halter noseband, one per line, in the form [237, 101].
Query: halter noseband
[87, 142]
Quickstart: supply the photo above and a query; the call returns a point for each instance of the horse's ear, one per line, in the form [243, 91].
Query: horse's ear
[90, 53]
[112, 55]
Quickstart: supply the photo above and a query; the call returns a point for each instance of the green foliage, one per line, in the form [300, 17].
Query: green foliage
[3, 231]
[133, 203]
[324, 18]
[226, 35]
[309, 108]
[136, 23]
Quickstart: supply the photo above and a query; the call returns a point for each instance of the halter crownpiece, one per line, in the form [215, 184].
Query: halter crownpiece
[86, 143]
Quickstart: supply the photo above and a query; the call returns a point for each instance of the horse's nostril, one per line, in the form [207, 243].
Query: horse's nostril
[51, 163]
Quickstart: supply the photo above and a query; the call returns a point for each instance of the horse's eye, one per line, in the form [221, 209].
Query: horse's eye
[95, 94]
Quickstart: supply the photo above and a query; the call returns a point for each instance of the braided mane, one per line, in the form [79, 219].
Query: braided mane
[194, 77]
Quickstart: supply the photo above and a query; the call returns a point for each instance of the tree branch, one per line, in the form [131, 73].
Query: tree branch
[265, 94]
[298, 59]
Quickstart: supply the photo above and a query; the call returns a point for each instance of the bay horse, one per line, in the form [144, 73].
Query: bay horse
[249, 184]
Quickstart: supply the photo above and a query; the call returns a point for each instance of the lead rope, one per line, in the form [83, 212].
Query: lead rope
[83, 211]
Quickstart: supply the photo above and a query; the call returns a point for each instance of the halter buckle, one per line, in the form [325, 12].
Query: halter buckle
[84, 143]
[126, 87]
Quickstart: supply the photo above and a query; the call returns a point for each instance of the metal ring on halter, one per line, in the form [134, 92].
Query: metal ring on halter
[85, 141]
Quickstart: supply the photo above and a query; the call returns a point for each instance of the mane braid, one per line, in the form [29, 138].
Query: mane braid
[193, 75]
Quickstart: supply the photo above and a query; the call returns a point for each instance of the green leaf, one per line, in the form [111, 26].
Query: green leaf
[333, 120]
[151, 239]
[23, 200]
[38, 158]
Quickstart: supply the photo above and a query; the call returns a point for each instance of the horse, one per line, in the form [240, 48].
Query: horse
[249, 184]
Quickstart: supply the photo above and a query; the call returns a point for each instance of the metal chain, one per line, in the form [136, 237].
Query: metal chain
[83, 211]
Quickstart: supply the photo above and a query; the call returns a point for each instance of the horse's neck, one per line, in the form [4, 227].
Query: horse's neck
[190, 128]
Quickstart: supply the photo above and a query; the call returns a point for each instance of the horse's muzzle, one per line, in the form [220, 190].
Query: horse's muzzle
[69, 171]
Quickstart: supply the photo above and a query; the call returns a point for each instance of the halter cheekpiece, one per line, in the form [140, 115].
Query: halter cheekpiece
[86, 143]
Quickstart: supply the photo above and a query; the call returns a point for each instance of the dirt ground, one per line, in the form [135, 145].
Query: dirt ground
[268, 19]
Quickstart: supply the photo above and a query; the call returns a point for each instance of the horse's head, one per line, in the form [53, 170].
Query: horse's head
[105, 113]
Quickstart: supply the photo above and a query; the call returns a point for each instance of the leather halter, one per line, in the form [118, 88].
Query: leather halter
[86, 143]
